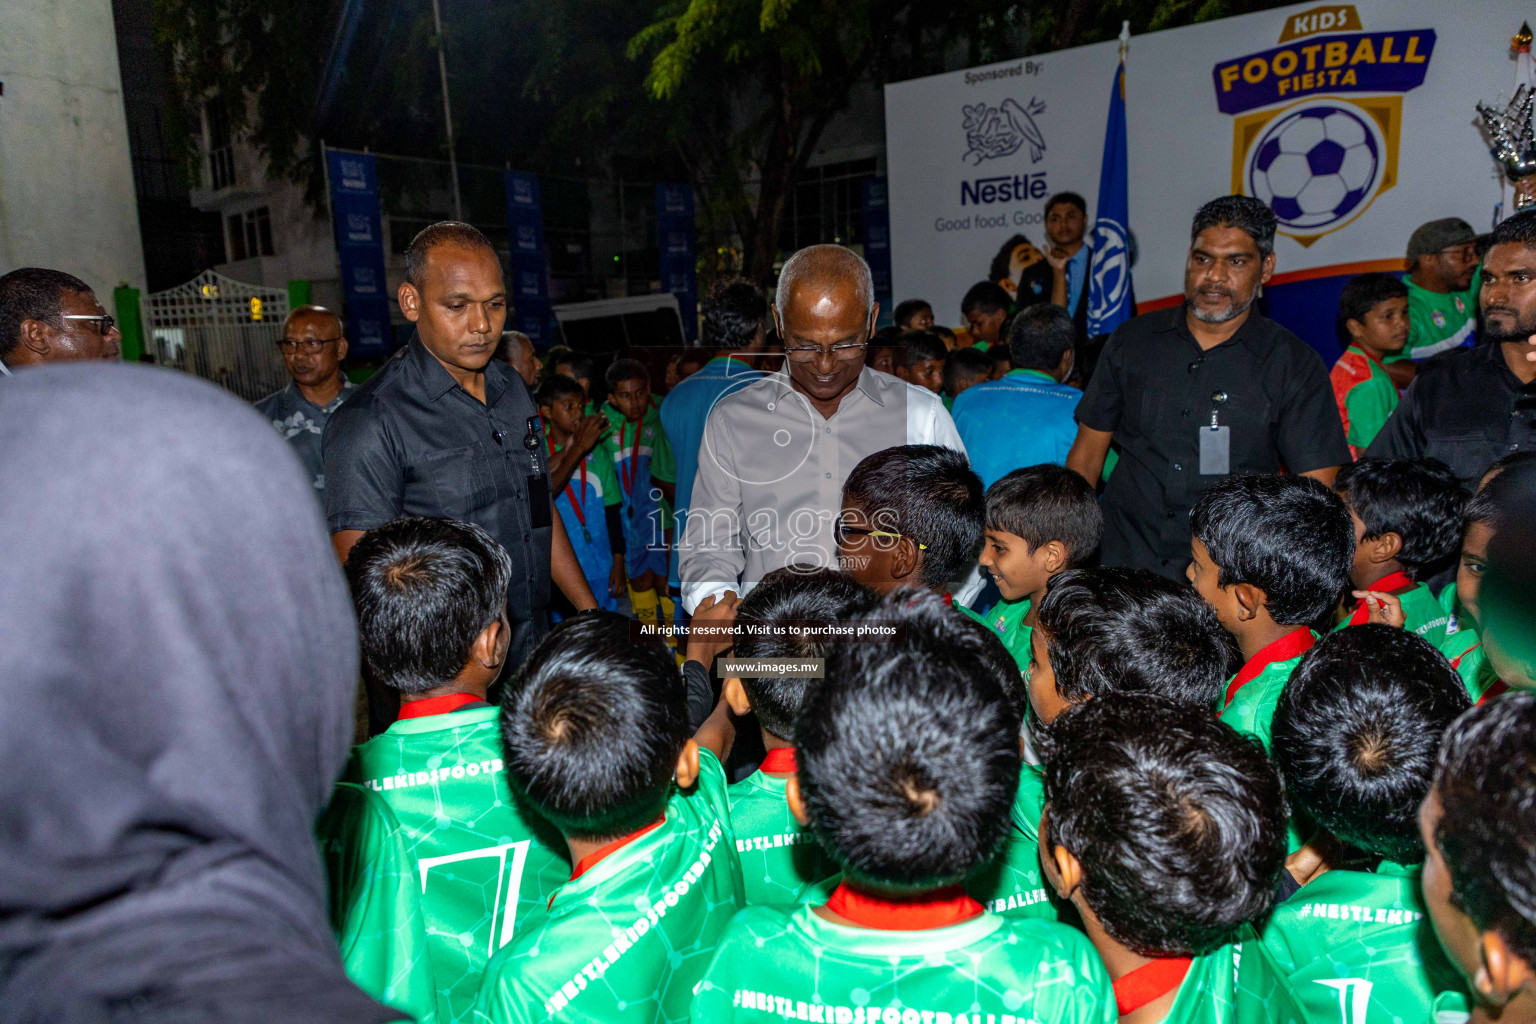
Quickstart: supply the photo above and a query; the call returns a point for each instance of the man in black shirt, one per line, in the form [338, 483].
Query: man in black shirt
[1194, 393]
[1471, 406]
[445, 430]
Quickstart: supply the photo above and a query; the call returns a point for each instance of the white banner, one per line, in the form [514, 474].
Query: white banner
[1355, 122]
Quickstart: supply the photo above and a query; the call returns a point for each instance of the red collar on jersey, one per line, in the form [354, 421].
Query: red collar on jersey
[437, 705]
[1150, 982]
[588, 862]
[1498, 689]
[1392, 583]
[780, 759]
[1292, 645]
[938, 909]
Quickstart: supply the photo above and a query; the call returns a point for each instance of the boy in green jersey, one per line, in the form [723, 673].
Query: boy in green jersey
[1166, 830]
[1407, 519]
[1356, 732]
[1476, 826]
[595, 729]
[431, 596]
[646, 472]
[1041, 520]
[1464, 647]
[1271, 554]
[1106, 631]
[912, 516]
[779, 857]
[908, 755]
[1374, 310]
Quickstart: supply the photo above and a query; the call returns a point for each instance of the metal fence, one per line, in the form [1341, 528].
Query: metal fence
[221, 330]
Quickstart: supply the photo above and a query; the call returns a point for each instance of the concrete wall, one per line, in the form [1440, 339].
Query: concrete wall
[66, 180]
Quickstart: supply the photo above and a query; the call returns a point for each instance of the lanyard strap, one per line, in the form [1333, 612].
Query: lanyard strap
[628, 471]
[576, 505]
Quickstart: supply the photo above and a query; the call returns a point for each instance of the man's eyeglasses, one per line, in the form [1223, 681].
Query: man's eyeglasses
[845, 352]
[307, 345]
[106, 322]
[844, 532]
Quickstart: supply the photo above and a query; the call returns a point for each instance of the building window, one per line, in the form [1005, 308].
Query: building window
[221, 149]
[250, 234]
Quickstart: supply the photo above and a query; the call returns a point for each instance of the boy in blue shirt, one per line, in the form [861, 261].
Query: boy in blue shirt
[589, 503]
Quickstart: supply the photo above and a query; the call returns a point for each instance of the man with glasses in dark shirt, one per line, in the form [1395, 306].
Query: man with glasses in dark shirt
[48, 316]
[312, 347]
[1205, 389]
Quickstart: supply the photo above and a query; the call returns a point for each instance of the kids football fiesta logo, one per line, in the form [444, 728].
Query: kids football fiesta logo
[1321, 141]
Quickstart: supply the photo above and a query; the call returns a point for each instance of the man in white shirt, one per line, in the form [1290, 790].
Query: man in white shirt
[775, 453]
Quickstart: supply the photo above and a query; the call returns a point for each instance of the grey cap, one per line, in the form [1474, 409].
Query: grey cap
[1439, 234]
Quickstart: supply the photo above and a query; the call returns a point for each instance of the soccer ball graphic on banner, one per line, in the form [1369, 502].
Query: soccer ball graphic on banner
[1316, 167]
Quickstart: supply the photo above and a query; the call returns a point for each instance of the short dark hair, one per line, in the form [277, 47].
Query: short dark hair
[963, 364]
[932, 495]
[1517, 228]
[621, 370]
[733, 314]
[32, 293]
[1356, 732]
[909, 751]
[1290, 536]
[424, 589]
[1070, 198]
[1245, 213]
[555, 387]
[909, 308]
[985, 297]
[1133, 631]
[1509, 460]
[1177, 820]
[1001, 267]
[1045, 503]
[999, 355]
[1041, 334]
[922, 346]
[592, 727]
[444, 232]
[581, 365]
[785, 595]
[1420, 500]
[1364, 291]
[1486, 781]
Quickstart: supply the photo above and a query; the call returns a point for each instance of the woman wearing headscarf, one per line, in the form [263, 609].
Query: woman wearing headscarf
[177, 667]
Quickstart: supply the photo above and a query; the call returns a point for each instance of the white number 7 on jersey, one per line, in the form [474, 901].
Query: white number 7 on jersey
[512, 881]
[1354, 998]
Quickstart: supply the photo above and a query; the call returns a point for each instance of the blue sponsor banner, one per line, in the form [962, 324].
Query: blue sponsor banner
[876, 212]
[1359, 62]
[529, 265]
[360, 250]
[677, 249]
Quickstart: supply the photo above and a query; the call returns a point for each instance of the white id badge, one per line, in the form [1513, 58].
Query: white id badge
[1215, 451]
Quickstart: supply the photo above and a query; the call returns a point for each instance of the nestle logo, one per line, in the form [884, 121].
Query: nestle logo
[1004, 188]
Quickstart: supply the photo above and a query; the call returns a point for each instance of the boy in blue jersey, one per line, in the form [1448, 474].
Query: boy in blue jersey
[589, 500]
[643, 461]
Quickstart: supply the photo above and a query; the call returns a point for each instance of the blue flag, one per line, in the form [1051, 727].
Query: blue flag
[1111, 300]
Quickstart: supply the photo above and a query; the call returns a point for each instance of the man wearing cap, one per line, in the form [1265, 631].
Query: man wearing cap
[1442, 293]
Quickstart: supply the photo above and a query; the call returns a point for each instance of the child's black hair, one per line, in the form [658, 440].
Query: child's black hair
[929, 493]
[909, 751]
[581, 365]
[1509, 460]
[906, 309]
[734, 314]
[555, 387]
[965, 364]
[621, 370]
[592, 727]
[1356, 732]
[424, 589]
[1040, 336]
[1045, 503]
[1420, 500]
[790, 594]
[986, 297]
[999, 355]
[923, 346]
[1177, 820]
[1290, 536]
[1133, 630]
[1486, 782]
[1364, 291]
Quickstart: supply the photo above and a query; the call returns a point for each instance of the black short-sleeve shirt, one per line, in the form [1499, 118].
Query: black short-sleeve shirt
[1154, 388]
[1465, 408]
[411, 441]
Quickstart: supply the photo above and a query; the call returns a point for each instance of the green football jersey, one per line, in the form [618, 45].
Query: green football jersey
[486, 862]
[779, 857]
[1439, 321]
[375, 910]
[1423, 613]
[1208, 993]
[1251, 709]
[1006, 619]
[1013, 884]
[1455, 615]
[1264, 993]
[627, 940]
[1464, 649]
[1357, 947]
[788, 963]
